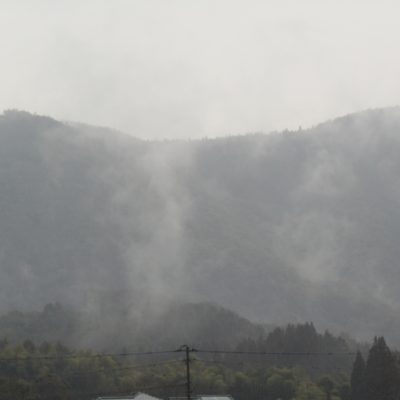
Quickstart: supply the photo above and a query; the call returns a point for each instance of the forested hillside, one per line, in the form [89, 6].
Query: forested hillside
[114, 329]
[295, 362]
[51, 371]
[285, 227]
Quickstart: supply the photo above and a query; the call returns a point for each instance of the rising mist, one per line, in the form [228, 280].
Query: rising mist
[291, 226]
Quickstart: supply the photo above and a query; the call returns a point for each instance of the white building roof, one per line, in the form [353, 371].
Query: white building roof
[137, 396]
[144, 396]
[214, 397]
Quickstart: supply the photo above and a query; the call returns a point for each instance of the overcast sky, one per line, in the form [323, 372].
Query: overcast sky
[194, 68]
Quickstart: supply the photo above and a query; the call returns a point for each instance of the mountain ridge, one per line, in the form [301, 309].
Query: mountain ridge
[286, 227]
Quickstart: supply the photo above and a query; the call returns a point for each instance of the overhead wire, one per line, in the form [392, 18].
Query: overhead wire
[88, 356]
[276, 353]
[192, 350]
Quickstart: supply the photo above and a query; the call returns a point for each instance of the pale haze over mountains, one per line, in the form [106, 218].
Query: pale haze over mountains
[287, 227]
[180, 68]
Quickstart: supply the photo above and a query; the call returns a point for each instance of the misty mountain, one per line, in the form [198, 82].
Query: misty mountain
[114, 328]
[289, 226]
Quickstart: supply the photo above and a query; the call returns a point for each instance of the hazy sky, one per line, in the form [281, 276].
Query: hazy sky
[193, 68]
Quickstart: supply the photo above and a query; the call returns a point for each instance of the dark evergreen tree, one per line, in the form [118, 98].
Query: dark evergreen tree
[357, 379]
[327, 385]
[381, 373]
[345, 392]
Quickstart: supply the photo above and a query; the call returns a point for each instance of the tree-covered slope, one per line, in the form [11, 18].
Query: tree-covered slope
[290, 226]
[115, 328]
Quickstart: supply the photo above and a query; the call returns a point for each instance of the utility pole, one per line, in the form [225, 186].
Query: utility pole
[188, 382]
[187, 351]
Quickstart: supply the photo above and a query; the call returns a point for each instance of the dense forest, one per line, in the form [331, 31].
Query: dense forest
[53, 371]
[228, 354]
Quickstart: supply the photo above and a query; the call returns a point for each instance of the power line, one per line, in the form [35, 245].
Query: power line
[278, 353]
[89, 356]
[181, 349]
